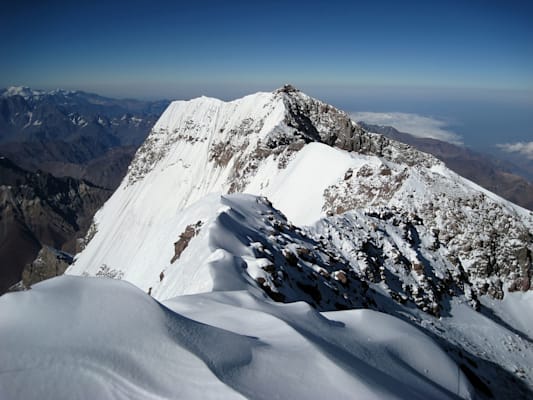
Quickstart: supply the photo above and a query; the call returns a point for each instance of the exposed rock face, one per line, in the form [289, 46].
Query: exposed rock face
[49, 263]
[479, 243]
[407, 255]
[185, 237]
[292, 264]
[320, 122]
[375, 183]
[38, 209]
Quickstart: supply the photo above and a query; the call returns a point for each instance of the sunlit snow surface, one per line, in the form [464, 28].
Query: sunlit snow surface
[94, 338]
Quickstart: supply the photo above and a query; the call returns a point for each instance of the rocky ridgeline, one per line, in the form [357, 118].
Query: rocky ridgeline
[241, 145]
[335, 264]
[320, 122]
[349, 260]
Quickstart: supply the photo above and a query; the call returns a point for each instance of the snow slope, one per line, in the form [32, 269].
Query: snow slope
[74, 337]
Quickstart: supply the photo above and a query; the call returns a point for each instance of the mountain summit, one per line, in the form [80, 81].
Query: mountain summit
[279, 198]
[426, 226]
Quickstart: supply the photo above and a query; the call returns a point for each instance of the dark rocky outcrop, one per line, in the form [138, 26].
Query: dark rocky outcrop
[185, 237]
[38, 209]
[316, 121]
[49, 263]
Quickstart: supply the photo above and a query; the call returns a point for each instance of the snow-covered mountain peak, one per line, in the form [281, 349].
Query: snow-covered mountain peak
[22, 91]
[241, 133]
[313, 162]
[29, 93]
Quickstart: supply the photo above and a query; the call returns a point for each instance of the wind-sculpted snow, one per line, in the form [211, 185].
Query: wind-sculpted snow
[383, 261]
[88, 338]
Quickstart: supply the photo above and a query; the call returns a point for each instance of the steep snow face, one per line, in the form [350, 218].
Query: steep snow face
[298, 189]
[194, 141]
[124, 344]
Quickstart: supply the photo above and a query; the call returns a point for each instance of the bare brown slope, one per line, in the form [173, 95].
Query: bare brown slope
[39, 209]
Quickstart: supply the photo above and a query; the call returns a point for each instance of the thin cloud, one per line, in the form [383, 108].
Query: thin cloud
[523, 148]
[415, 124]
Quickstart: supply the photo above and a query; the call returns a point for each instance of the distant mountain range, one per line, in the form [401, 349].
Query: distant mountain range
[44, 136]
[493, 174]
[74, 133]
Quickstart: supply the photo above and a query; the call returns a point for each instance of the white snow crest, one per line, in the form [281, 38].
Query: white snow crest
[126, 345]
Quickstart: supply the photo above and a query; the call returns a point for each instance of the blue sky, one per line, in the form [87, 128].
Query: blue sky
[155, 48]
[408, 56]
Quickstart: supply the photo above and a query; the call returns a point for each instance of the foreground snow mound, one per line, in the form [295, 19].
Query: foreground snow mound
[73, 337]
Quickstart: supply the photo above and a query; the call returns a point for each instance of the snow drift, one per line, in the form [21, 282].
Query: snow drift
[98, 338]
